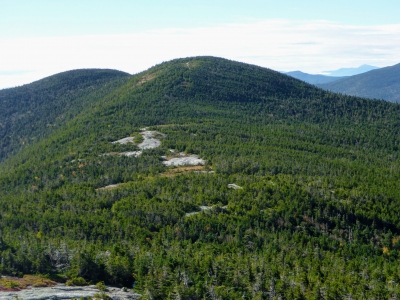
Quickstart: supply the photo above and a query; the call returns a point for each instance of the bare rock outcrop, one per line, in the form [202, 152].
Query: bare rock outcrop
[190, 160]
[61, 291]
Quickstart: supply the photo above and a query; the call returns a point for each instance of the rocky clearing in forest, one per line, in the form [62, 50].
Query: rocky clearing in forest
[149, 142]
[184, 160]
[181, 162]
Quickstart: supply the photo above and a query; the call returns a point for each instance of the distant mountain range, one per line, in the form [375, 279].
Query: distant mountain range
[311, 78]
[382, 83]
[330, 76]
[350, 71]
[366, 81]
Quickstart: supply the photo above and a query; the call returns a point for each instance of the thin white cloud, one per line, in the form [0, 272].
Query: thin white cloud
[310, 46]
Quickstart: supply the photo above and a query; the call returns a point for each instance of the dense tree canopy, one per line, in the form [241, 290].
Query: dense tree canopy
[316, 216]
[31, 112]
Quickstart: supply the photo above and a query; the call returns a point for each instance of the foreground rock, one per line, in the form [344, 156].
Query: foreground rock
[62, 291]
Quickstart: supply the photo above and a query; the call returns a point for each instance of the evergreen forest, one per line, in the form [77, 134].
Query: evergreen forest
[298, 198]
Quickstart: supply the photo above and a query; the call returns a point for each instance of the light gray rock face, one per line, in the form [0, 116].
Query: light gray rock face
[202, 208]
[149, 142]
[62, 291]
[234, 186]
[124, 141]
[192, 160]
[131, 153]
[108, 187]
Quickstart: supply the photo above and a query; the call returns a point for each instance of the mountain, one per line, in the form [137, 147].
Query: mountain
[30, 112]
[383, 83]
[294, 194]
[312, 79]
[351, 71]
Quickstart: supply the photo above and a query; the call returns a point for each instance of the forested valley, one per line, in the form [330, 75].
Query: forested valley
[314, 212]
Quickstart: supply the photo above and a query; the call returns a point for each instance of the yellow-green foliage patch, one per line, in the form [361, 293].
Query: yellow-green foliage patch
[26, 281]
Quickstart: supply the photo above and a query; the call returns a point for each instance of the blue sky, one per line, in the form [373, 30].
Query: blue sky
[42, 37]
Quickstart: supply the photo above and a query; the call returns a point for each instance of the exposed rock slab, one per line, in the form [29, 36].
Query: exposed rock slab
[62, 291]
[109, 187]
[202, 208]
[234, 186]
[191, 160]
[130, 153]
[149, 141]
[124, 140]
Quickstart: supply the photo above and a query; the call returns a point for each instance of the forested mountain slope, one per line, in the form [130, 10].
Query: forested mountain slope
[32, 111]
[312, 213]
[382, 83]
